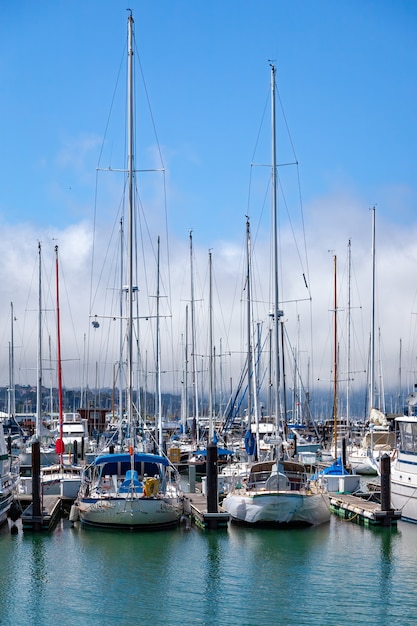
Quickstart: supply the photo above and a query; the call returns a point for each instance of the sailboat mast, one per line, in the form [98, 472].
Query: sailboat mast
[276, 312]
[120, 377]
[58, 324]
[158, 364]
[372, 364]
[39, 368]
[249, 323]
[130, 226]
[193, 343]
[185, 411]
[12, 389]
[348, 333]
[335, 400]
[211, 381]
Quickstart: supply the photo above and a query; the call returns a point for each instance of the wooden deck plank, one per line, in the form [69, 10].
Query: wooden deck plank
[195, 505]
[362, 510]
[51, 506]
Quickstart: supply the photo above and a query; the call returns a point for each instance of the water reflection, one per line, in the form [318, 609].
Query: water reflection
[38, 577]
[389, 537]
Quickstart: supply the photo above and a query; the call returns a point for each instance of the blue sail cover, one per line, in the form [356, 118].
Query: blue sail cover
[250, 442]
[125, 457]
[220, 452]
[335, 469]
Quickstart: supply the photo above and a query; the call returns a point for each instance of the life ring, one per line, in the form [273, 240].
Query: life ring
[151, 487]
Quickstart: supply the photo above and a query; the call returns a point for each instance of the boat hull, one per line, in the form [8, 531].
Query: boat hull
[363, 465]
[345, 483]
[133, 513]
[5, 504]
[286, 508]
[404, 489]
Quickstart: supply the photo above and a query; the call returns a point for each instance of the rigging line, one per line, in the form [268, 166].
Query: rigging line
[299, 187]
[113, 99]
[303, 224]
[149, 104]
[293, 234]
[161, 159]
[164, 189]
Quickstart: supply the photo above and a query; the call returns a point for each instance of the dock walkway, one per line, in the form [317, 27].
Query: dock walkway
[195, 505]
[362, 511]
[51, 507]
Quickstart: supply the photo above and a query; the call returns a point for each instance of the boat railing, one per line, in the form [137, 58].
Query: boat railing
[258, 480]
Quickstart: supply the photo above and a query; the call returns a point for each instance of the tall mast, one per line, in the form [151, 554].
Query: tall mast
[211, 382]
[193, 342]
[335, 399]
[60, 449]
[372, 364]
[12, 389]
[39, 368]
[276, 312]
[121, 334]
[249, 323]
[348, 335]
[130, 226]
[185, 412]
[158, 365]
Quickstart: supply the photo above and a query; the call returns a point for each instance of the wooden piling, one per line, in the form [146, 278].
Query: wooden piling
[36, 486]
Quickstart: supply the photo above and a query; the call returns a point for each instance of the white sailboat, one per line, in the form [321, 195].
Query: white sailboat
[277, 493]
[379, 438]
[45, 436]
[132, 489]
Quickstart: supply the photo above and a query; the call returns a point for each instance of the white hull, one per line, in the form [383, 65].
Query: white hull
[345, 483]
[404, 489]
[131, 512]
[363, 464]
[48, 456]
[404, 465]
[64, 481]
[280, 507]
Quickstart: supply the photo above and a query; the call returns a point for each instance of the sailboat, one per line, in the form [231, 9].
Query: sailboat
[336, 477]
[379, 438]
[277, 493]
[62, 479]
[132, 489]
[43, 435]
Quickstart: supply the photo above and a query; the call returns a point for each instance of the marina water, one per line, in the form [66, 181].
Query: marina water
[336, 573]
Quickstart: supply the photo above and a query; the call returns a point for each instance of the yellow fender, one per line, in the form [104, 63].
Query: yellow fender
[151, 487]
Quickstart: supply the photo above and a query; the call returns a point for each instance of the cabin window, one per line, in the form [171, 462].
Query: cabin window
[408, 436]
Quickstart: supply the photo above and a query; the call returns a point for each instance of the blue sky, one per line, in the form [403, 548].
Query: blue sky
[345, 76]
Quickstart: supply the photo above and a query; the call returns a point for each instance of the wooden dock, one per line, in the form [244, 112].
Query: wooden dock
[51, 508]
[362, 511]
[195, 505]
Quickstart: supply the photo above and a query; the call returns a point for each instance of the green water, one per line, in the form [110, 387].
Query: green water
[337, 573]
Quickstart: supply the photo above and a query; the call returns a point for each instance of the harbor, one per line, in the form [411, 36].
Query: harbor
[208, 401]
[201, 577]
